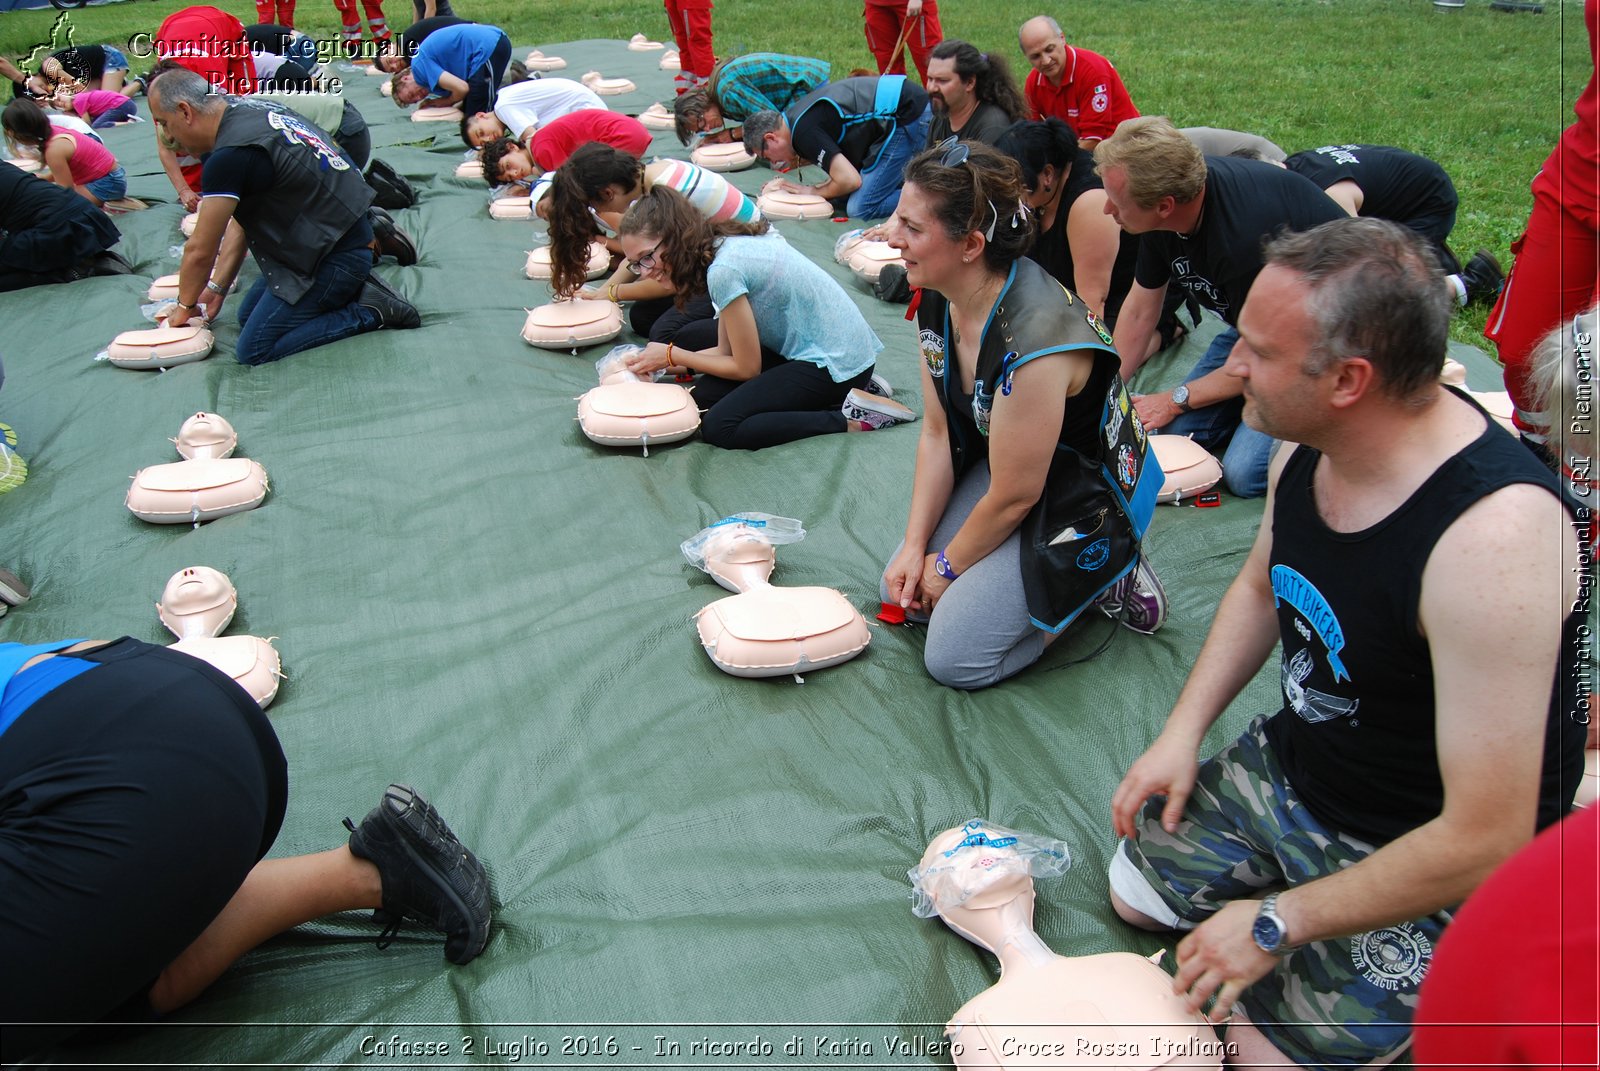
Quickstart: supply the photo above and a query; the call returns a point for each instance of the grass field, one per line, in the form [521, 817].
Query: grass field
[1482, 92]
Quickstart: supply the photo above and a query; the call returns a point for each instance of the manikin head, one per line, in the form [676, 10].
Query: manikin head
[979, 879]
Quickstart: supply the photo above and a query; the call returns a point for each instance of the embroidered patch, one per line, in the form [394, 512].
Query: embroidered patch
[1127, 467]
[931, 343]
[1095, 555]
[1113, 427]
[1101, 100]
[296, 132]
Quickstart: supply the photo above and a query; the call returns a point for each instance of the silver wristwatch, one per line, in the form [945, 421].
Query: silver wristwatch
[1180, 397]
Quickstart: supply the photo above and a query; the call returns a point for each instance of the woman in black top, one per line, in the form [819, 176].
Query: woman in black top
[1078, 242]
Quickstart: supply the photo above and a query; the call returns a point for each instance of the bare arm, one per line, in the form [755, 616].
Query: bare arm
[1242, 636]
[737, 354]
[843, 180]
[57, 157]
[930, 494]
[203, 254]
[1159, 410]
[169, 163]
[1493, 626]
[1136, 326]
[452, 91]
[1094, 239]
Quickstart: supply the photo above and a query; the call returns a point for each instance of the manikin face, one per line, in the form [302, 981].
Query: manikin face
[517, 165]
[483, 128]
[1276, 334]
[1129, 214]
[932, 259]
[946, 91]
[644, 254]
[1046, 51]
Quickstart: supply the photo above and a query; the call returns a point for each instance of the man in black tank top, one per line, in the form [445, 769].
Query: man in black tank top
[1417, 569]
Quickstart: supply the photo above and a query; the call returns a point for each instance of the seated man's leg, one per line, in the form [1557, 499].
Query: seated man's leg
[273, 328]
[1245, 462]
[1244, 832]
[879, 194]
[1212, 425]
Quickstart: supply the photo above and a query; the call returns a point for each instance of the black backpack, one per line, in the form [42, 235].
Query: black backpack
[389, 186]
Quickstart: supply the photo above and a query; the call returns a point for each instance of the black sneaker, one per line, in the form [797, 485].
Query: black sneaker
[1482, 277]
[392, 241]
[427, 874]
[891, 285]
[393, 311]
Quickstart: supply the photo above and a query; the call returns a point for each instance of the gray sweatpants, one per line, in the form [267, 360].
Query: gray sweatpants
[980, 632]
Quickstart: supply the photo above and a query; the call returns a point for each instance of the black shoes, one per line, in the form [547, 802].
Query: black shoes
[427, 874]
[390, 189]
[891, 285]
[393, 311]
[1482, 277]
[391, 240]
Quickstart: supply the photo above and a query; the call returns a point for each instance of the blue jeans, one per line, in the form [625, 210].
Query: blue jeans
[1244, 462]
[112, 186]
[271, 328]
[879, 194]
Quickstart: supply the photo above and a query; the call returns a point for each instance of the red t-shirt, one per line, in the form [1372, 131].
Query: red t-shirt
[211, 43]
[558, 139]
[1513, 981]
[1091, 96]
[1572, 173]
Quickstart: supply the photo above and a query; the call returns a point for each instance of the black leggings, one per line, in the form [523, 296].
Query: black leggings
[134, 800]
[789, 400]
[660, 320]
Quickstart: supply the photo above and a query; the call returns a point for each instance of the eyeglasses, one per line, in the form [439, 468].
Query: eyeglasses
[953, 153]
[646, 261]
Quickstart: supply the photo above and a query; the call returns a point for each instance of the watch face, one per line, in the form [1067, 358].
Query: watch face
[1267, 932]
[1180, 396]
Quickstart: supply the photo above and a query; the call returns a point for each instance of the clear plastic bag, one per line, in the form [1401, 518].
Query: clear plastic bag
[985, 855]
[613, 367]
[846, 243]
[158, 310]
[763, 527]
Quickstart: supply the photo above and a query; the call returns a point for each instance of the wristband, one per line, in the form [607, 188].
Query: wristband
[941, 565]
[211, 285]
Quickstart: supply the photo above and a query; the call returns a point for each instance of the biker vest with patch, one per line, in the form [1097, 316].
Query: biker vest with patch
[1356, 735]
[316, 195]
[1084, 532]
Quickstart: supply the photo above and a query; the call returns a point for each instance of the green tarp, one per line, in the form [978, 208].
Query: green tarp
[471, 597]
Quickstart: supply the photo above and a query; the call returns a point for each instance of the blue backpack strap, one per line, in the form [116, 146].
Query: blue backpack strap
[890, 88]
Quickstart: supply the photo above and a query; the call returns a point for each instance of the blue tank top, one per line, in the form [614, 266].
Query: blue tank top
[19, 690]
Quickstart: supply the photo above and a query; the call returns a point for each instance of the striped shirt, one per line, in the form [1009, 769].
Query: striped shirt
[713, 196]
[764, 81]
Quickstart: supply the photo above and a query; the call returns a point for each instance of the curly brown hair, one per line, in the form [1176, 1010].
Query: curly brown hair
[686, 241]
[576, 186]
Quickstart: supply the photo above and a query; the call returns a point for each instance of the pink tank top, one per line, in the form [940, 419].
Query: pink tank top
[90, 159]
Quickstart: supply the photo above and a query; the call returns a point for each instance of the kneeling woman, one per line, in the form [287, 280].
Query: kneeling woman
[1031, 490]
[76, 161]
[792, 349]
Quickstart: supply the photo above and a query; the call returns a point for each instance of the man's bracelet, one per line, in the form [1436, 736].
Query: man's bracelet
[185, 306]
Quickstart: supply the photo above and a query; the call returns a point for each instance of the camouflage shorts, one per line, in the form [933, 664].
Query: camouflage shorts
[1244, 832]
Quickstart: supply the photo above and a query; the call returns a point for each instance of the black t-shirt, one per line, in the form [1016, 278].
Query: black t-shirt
[1395, 184]
[1052, 252]
[241, 170]
[1246, 202]
[821, 133]
[985, 124]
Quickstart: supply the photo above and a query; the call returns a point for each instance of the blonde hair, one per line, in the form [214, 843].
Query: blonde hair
[1561, 376]
[1157, 159]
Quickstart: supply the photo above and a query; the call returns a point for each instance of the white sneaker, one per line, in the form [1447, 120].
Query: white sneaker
[875, 412]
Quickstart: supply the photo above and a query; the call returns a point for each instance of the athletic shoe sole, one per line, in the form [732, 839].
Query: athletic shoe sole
[12, 589]
[861, 401]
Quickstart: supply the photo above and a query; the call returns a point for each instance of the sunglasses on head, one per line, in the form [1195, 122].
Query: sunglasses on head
[953, 152]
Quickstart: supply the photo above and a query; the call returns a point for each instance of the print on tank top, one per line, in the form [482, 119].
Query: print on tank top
[1316, 618]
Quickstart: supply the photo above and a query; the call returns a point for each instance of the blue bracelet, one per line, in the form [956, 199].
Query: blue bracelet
[942, 566]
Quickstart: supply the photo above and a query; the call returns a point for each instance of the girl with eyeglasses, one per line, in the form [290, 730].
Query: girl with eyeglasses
[594, 188]
[1025, 417]
[793, 355]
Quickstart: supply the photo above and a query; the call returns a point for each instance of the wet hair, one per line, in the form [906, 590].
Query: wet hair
[1377, 292]
[983, 189]
[576, 186]
[25, 123]
[1158, 160]
[756, 129]
[687, 240]
[688, 111]
[1561, 376]
[1039, 143]
[989, 73]
[491, 155]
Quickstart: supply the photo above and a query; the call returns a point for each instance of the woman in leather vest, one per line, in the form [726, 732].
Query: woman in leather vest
[1024, 412]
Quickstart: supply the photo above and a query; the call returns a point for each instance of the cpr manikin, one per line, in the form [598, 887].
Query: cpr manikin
[767, 631]
[209, 482]
[1114, 1010]
[196, 605]
[625, 410]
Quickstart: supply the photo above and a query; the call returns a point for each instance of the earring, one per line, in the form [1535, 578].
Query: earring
[966, 260]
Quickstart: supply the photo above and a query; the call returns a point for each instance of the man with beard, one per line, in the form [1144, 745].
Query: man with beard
[972, 94]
